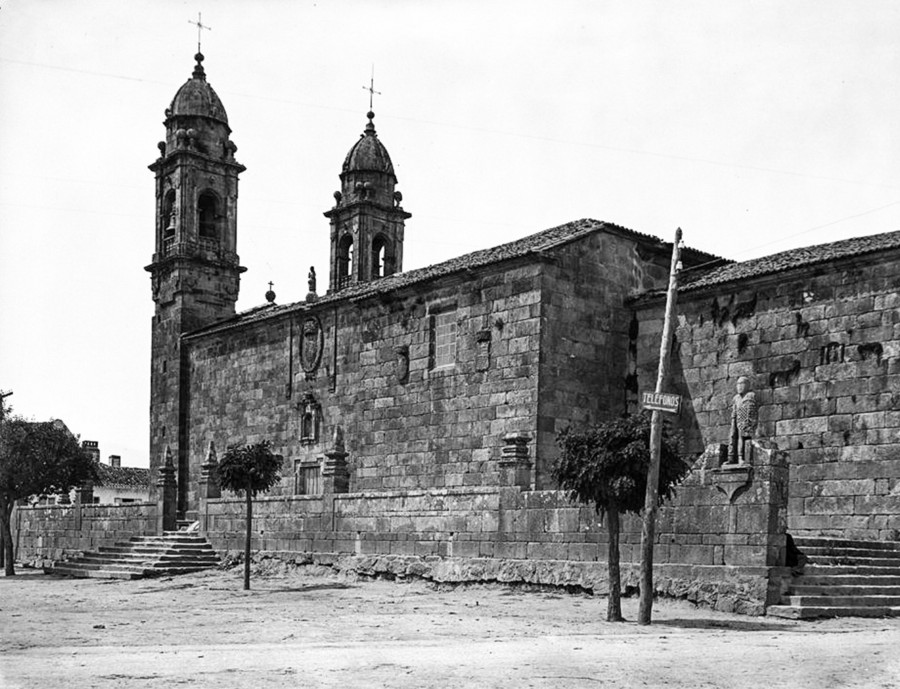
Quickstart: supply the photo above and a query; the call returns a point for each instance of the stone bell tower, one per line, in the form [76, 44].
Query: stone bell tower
[195, 270]
[367, 219]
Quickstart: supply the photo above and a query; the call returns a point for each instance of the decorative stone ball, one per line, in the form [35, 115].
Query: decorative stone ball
[338, 196]
[270, 297]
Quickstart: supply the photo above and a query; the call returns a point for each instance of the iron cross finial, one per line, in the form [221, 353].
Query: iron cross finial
[371, 87]
[200, 26]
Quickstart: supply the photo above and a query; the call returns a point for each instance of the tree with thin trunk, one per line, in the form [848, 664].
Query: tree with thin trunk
[249, 470]
[36, 458]
[606, 466]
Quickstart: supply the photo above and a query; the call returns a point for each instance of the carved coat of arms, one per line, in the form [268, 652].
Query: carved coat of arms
[311, 343]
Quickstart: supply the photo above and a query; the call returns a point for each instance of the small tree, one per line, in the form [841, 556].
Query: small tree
[36, 459]
[249, 470]
[606, 467]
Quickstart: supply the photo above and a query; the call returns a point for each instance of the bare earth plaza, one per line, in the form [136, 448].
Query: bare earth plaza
[418, 534]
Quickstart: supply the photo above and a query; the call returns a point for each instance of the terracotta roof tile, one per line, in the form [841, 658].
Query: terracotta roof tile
[530, 245]
[793, 258]
[126, 477]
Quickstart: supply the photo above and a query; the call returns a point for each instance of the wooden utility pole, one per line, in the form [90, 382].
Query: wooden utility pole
[648, 532]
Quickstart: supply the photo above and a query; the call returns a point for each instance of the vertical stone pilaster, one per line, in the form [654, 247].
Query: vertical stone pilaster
[166, 495]
[335, 474]
[515, 465]
[209, 487]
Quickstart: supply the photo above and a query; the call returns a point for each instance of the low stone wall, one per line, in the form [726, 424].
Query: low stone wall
[720, 542]
[56, 532]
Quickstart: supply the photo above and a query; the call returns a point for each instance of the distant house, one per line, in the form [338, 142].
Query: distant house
[120, 485]
[117, 485]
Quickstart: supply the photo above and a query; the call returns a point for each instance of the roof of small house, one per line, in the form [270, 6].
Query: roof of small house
[123, 477]
[532, 245]
[786, 260]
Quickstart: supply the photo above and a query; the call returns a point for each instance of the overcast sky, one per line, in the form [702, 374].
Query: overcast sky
[755, 126]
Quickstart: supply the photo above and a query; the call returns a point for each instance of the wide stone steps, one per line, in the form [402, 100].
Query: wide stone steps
[844, 578]
[142, 556]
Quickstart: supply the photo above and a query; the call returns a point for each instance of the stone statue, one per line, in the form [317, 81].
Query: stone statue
[744, 419]
[311, 279]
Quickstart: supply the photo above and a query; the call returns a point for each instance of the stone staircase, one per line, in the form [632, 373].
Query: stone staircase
[175, 552]
[843, 578]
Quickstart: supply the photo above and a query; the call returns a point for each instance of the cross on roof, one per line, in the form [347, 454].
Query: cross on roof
[371, 87]
[200, 26]
[271, 285]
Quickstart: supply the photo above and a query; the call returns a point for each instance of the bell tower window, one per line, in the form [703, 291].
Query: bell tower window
[168, 215]
[381, 260]
[345, 261]
[207, 213]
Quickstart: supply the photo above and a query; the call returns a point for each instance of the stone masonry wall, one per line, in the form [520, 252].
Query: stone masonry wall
[822, 349]
[712, 547]
[408, 423]
[55, 532]
[585, 324]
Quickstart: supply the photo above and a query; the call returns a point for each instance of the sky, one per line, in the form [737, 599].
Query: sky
[756, 127]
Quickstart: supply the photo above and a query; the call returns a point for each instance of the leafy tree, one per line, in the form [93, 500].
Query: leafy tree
[249, 470]
[37, 459]
[606, 467]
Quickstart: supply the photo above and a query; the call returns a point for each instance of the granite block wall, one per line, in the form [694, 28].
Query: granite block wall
[585, 334]
[56, 532]
[822, 349]
[408, 422]
[718, 542]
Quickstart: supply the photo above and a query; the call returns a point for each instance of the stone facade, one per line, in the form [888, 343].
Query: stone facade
[536, 343]
[417, 411]
[821, 346]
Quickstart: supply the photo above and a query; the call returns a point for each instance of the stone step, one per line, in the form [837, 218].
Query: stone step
[130, 558]
[811, 612]
[844, 590]
[831, 600]
[142, 548]
[142, 556]
[833, 551]
[95, 566]
[833, 570]
[855, 561]
[92, 574]
[847, 579]
[808, 542]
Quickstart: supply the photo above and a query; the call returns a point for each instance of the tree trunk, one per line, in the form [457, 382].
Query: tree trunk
[5, 515]
[614, 606]
[247, 540]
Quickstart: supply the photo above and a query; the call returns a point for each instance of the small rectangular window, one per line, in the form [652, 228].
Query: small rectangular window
[443, 336]
[307, 479]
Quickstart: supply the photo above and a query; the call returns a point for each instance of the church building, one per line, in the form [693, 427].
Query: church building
[416, 411]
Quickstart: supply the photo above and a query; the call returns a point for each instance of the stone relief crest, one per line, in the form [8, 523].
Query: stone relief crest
[401, 363]
[311, 343]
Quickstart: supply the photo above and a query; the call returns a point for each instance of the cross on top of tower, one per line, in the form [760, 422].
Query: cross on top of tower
[371, 87]
[200, 26]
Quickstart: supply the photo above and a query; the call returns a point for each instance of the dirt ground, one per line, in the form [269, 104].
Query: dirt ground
[318, 629]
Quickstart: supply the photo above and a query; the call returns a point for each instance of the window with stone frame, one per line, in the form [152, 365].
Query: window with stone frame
[442, 338]
[207, 216]
[345, 261]
[307, 478]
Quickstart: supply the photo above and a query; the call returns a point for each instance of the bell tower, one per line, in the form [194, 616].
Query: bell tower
[195, 271]
[367, 220]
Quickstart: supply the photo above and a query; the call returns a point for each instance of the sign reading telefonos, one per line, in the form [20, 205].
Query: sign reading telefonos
[662, 401]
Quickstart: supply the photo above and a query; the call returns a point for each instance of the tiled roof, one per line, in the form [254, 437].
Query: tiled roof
[530, 245]
[793, 258]
[123, 477]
